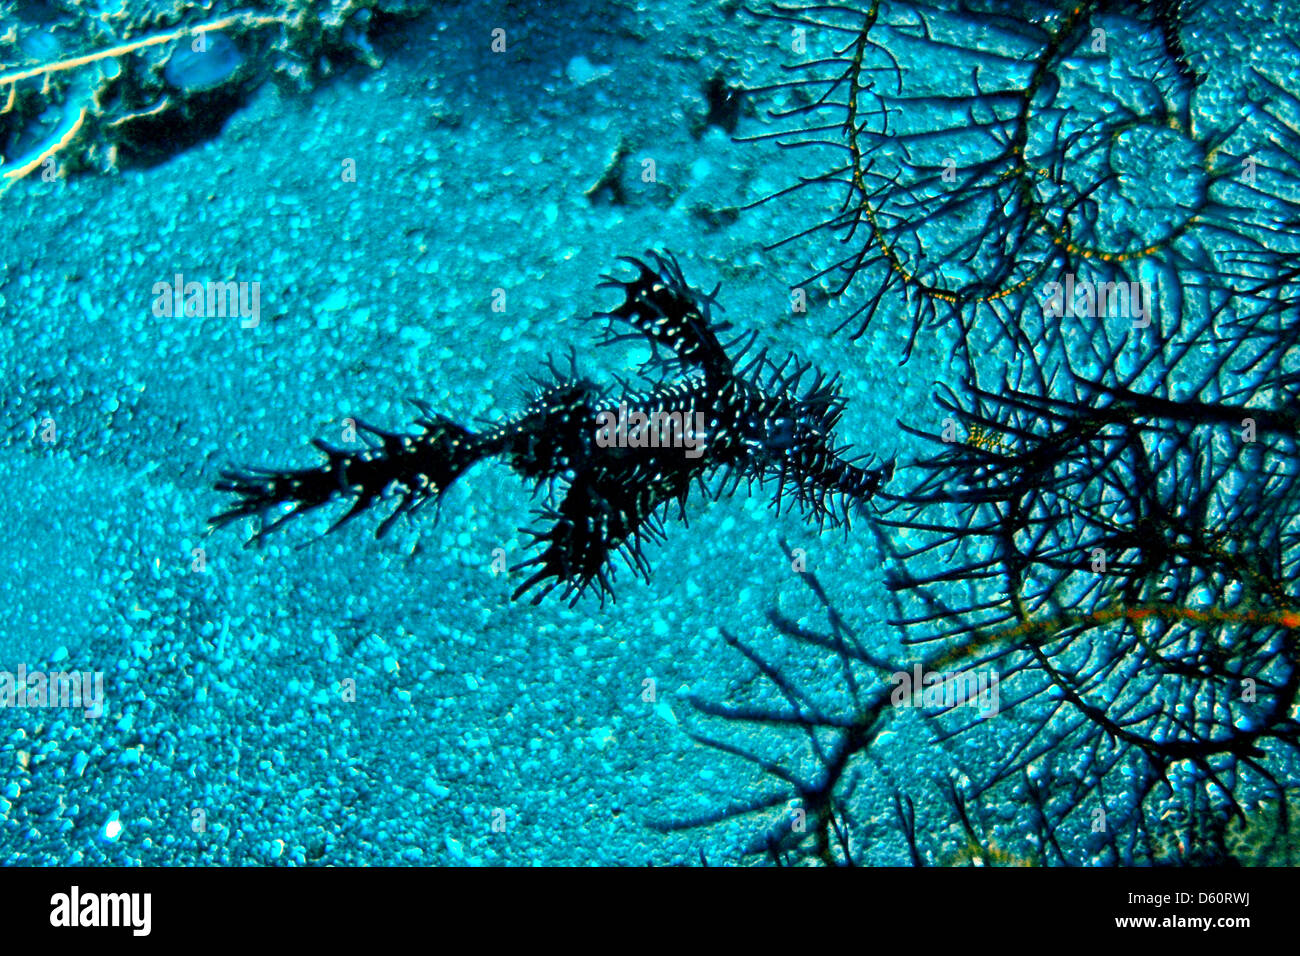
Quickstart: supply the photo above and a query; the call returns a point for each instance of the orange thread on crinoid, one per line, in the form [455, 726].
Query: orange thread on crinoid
[1052, 624]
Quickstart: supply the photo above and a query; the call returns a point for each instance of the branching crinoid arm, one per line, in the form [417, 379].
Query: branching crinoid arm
[1128, 562]
[804, 802]
[1113, 525]
[1263, 330]
[985, 192]
[813, 741]
[1114, 528]
[809, 737]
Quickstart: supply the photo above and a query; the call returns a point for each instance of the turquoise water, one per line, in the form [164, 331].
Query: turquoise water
[337, 699]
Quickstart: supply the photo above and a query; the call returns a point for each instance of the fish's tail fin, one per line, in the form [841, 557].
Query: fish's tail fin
[414, 468]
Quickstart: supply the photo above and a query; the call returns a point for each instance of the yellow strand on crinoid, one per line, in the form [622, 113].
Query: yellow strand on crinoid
[1050, 624]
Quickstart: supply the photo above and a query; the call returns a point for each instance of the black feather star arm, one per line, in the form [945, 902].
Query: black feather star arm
[623, 463]
[1102, 210]
[1129, 564]
[823, 794]
[986, 170]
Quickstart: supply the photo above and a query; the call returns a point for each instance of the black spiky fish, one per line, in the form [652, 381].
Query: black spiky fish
[622, 460]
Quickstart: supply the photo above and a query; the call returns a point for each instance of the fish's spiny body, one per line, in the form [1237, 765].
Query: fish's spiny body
[625, 462]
